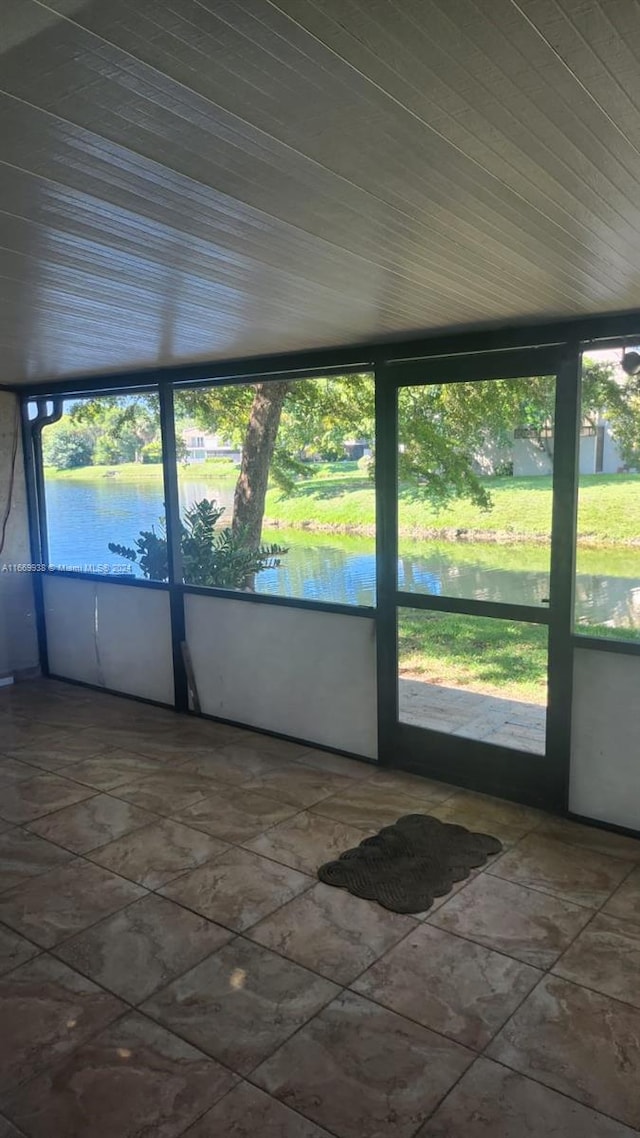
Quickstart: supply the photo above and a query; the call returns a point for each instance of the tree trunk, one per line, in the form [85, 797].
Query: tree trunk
[257, 452]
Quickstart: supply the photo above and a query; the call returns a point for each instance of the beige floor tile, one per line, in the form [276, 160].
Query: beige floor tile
[180, 743]
[362, 1071]
[50, 908]
[234, 763]
[8, 1130]
[91, 823]
[60, 753]
[569, 872]
[591, 838]
[111, 769]
[524, 923]
[580, 1043]
[111, 734]
[143, 947]
[369, 806]
[493, 1102]
[234, 815]
[167, 791]
[282, 749]
[247, 1112]
[438, 901]
[336, 764]
[606, 956]
[463, 990]
[14, 950]
[30, 798]
[241, 1003]
[427, 790]
[24, 855]
[158, 853]
[306, 841]
[134, 1078]
[24, 730]
[298, 785]
[12, 770]
[238, 888]
[506, 821]
[625, 902]
[47, 1010]
[332, 932]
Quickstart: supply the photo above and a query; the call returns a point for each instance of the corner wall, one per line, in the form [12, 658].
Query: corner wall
[18, 640]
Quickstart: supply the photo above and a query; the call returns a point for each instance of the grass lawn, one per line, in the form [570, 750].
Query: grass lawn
[339, 497]
[493, 657]
[220, 469]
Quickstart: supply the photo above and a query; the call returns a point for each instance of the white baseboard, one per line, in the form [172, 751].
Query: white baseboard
[5, 681]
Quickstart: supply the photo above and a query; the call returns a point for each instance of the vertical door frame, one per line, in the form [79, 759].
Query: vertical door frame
[521, 776]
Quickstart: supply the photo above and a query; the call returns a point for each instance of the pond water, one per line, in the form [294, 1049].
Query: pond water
[83, 517]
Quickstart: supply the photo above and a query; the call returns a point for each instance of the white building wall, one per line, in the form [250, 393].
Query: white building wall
[612, 461]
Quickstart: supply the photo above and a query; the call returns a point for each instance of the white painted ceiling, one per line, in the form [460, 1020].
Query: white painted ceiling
[202, 179]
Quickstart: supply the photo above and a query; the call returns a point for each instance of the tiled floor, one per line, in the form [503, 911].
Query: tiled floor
[170, 965]
[508, 722]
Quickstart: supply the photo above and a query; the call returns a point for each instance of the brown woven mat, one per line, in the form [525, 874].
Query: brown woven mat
[408, 864]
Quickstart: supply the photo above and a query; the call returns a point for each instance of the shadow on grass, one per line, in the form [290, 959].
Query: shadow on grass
[497, 652]
[323, 489]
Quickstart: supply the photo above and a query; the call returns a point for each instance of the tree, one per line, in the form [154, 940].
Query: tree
[443, 428]
[280, 424]
[65, 446]
[121, 426]
[607, 393]
[210, 556]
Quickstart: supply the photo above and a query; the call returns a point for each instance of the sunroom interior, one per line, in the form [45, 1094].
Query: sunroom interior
[430, 212]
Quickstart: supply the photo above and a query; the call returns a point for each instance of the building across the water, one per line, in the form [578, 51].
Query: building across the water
[201, 445]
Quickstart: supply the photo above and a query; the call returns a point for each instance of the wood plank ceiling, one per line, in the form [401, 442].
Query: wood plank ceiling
[202, 179]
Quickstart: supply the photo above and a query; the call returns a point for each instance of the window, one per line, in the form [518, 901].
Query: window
[607, 591]
[282, 500]
[104, 487]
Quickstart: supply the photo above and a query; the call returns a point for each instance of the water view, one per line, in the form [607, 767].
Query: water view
[83, 517]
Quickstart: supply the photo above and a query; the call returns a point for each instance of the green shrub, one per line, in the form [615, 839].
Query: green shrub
[151, 452]
[210, 557]
[67, 447]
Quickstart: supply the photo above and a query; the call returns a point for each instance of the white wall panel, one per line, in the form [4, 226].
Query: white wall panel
[308, 674]
[115, 636]
[605, 749]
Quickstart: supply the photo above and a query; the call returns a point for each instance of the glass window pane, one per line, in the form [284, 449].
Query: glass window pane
[475, 472]
[607, 592]
[103, 486]
[276, 487]
[476, 677]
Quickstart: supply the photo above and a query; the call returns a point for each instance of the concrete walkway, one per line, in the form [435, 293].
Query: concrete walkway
[507, 722]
